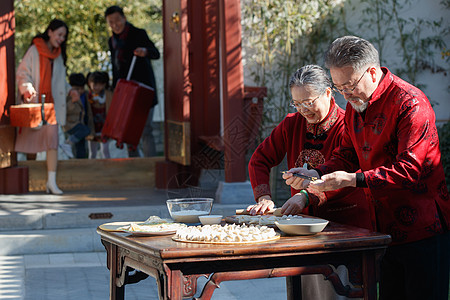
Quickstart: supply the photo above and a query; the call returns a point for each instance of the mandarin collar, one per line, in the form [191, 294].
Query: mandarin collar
[326, 123]
[383, 85]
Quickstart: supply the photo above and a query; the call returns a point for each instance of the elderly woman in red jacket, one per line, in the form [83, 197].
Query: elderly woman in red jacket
[308, 137]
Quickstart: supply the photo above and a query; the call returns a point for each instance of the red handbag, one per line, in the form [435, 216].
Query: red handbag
[32, 115]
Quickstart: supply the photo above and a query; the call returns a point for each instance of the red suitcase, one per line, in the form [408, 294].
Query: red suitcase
[128, 111]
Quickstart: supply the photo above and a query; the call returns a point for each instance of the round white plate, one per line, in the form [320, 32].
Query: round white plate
[303, 226]
[114, 226]
[150, 233]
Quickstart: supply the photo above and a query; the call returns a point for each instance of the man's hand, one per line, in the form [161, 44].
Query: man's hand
[141, 52]
[294, 205]
[264, 204]
[334, 181]
[297, 182]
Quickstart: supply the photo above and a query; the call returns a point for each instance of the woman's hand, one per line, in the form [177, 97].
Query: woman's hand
[297, 182]
[264, 204]
[141, 52]
[29, 94]
[294, 205]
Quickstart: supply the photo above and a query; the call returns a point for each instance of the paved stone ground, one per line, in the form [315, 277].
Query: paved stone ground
[85, 276]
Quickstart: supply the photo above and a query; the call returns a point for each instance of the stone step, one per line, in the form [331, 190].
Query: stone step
[50, 241]
[91, 174]
[52, 231]
[43, 219]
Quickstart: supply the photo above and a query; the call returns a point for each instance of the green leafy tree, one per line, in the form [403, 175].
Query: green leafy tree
[280, 37]
[87, 46]
[416, 40]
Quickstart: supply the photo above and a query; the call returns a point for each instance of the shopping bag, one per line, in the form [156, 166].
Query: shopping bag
[128, 111]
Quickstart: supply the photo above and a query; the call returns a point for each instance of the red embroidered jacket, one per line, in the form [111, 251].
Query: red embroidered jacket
[396, 146]
[313, 144]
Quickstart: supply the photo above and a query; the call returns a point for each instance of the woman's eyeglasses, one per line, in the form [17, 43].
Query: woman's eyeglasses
[305, 104]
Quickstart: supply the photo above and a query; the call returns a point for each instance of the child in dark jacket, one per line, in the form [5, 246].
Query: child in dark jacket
[100, 98]
[78, 119]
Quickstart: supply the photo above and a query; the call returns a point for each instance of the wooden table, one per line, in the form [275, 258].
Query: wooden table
[176, 265]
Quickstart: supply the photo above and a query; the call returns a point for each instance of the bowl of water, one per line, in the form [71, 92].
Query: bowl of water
[210, 219]
[187, 210]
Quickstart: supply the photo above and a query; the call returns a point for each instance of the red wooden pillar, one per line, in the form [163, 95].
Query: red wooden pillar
[177, 89]
[234, 133]
[204, 69]
[203, 90]
[7, 82]
[13, 179]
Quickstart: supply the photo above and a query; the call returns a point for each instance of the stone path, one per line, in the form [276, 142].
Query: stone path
[85, 276]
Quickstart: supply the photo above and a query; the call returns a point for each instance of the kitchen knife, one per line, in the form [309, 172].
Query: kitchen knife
[310, 178]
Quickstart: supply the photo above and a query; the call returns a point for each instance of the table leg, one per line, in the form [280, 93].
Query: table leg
[369, 276]
[115, 292]
[176, 285]
[294, 287]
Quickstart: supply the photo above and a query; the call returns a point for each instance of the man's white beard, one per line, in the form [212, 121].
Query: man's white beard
[360, 106]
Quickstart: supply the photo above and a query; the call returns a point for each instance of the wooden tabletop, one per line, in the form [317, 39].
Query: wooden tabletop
[335, 237]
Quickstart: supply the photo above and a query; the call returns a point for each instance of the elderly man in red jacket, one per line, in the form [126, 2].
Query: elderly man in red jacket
[390, 148]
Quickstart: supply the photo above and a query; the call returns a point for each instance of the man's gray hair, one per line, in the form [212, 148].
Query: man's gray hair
[351, 51]
[315, 77]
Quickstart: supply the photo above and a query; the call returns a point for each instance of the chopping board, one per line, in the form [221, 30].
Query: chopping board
[268, 220]
[275, 211]
[239, 212]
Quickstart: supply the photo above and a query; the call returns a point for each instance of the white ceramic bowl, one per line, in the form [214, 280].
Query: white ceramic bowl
[187, 210]
[303, 226]
[210, 219]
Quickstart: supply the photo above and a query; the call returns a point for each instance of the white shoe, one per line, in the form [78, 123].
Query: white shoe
[53, 189]
[67, 149]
